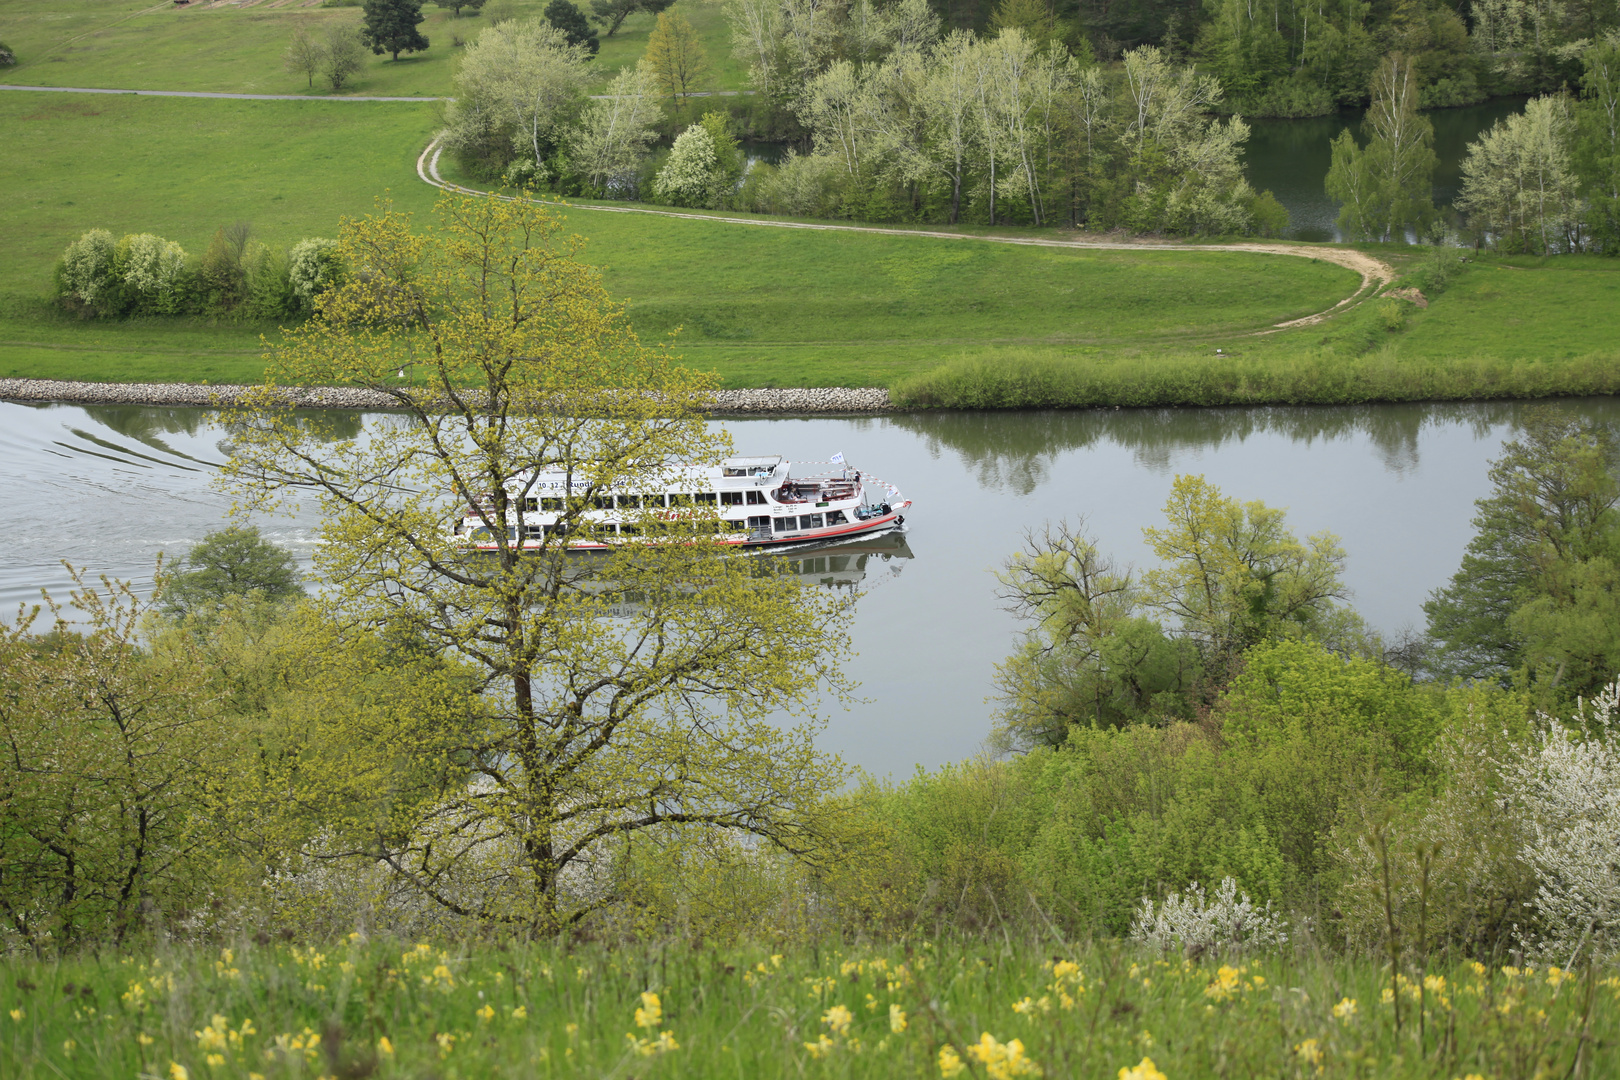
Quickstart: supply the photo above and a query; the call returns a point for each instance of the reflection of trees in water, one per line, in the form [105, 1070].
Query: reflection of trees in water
[149, 423]
[1016, 451]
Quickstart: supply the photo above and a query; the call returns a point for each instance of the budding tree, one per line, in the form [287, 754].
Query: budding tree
[614, 696]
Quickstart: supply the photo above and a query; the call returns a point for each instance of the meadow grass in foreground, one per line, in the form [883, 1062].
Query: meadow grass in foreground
[982, 1009]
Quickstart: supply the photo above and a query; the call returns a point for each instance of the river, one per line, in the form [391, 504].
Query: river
[108, 488]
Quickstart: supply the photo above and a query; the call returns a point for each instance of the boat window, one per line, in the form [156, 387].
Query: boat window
[704, 498]
[836, 517]
[810, 521]
[732, 471]
[551, 505]
[531, 532]
[555, 530]
[531, 505]
[733, 526]
[790, 524]
[629, 502]
[759, 523]
[629, 530]
[756, 498]
[602, 502]
[731, 498]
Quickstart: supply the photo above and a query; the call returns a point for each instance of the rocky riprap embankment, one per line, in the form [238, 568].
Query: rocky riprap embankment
[822, 400]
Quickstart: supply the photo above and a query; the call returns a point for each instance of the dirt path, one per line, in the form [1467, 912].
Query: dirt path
[213, 94]
[1375, 273]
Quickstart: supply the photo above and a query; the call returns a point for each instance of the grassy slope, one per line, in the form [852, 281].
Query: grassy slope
[179, 168]
[137, 45]
[764, 306]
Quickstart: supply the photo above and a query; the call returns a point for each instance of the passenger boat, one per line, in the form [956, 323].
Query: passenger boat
[761, 503]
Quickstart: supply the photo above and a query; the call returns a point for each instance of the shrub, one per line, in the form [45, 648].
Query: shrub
[153, 271]
[687, 178]
[1269, 217]
[1192, 923]
[802, 186]
[86, 276]
[312, 266]
[269, 291]
[7, 57]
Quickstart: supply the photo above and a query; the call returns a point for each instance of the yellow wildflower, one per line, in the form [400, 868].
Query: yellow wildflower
[178, 1071]
[1476, 967]
[68, 1046]
[520, 1013]
[384, 1047]
[486, 1014]
[666, 1042]
[838, 1019]
[651, 1012]
[144, 1039]
[215, 1060]
[1144, 1070]
[447, 1043]
[1310, 1052]
[17, 1015]
[897, 1019]
[1345, 1010]
[1003, 1061]
[821, 1047]
[1066, 969]
[1556, 977]
[1227, 983]
[949, 1063]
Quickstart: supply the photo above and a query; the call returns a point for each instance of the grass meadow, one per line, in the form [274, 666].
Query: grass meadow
[988, 1009]
[140, 45]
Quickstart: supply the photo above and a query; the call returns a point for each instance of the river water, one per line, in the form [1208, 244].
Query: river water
[1290, 158]
[108, 488]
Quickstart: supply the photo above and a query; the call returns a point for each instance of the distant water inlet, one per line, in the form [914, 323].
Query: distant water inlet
[108, 488]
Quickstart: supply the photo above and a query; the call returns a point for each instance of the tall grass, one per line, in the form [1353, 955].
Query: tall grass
[384, 1008]
[1026, 379]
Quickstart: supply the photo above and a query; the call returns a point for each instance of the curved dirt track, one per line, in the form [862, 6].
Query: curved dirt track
[1375, 273]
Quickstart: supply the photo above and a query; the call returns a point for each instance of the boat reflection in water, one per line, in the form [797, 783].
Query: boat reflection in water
[852, 568]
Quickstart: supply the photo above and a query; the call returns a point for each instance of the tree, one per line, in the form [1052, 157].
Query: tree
[1550, 512]
[516, 85]
[687, 178]
[390, 26]
[1387, 187]
[1092, 658]
[1519, 186]
[599, 721]
[1233, 574]
[457, 5]
[614, 131]
[572, 22]
[113, 754]
[234, 561]
[612, 13]
[345, 54]
[305, 55]
[1597, 146]
[677, 58]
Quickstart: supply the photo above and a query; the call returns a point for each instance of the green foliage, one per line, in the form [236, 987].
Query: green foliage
[390, 26]
[1385, 188]
[232, 562]
[313, 265]
[1534, 592]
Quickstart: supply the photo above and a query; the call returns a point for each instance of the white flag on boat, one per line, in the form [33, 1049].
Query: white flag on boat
[838, 458]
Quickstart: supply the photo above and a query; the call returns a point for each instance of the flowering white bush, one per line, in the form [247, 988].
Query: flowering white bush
[1568, 786]
[688, 175]
[152, 267]
[1192, 921]
[312, 265]
[87, 266]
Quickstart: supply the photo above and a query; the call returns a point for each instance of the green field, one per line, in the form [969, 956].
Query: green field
[763, 306]
[139, 45]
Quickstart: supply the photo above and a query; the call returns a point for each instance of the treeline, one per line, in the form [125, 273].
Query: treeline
[913, 126]
[143, 274]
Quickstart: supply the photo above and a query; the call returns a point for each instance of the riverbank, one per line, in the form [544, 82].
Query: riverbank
[792, 401]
